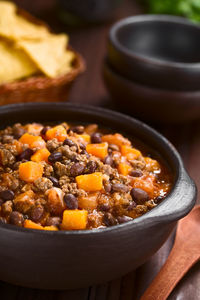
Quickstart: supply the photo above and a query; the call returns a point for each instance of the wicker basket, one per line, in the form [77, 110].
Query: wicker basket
[41, 88]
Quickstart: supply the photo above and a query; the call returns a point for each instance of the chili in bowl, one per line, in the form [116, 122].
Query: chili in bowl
[91, 203]
[63, 177]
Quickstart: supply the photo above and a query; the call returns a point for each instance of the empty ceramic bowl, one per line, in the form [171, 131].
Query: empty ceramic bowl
[74, 259]
[149, 103]
[157, 50]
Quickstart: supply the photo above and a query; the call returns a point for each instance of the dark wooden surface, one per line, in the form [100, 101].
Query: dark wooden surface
[89, 89]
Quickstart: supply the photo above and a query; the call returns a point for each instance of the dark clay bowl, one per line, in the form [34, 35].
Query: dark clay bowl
[74, 259]
[149, 103]
[157, 50]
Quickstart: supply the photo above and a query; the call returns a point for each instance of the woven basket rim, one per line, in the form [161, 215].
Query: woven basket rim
[42, 81]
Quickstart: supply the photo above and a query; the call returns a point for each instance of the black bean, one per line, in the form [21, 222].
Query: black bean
[55, 156]
[54, 181]
[7, 195]
[84, 152]
[96, 138]
[136, 173]
[119, 187]
[36, 213]
[76, 129]
[109, 220]
[108, 160]
[71, 201]
[16, 218]
[82, 146]
[124, 219]
[53, 221]
[43, 131]
[76, 169]
[90, 167]
[104, 207]
[139, 195]
[107, 186]
[70, 143]
[131, 206]
[26, 154]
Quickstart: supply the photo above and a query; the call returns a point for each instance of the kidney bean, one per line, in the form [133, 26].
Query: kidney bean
[16, 218]
[1, 202]
[139, 195]
[71, 201]
[76, 169]
[7, 195]
[119, 187]
[131, 206]
[90, 167]
[36, 213]
[124, 219]
[26, 154]
[55, 156]
[53, 221]
[82, 146]
[109, 220]
[136, 173]
[104, 207]
[76, 129]
[54, 181]
[43, 131]
[108, 160]
[96, 138]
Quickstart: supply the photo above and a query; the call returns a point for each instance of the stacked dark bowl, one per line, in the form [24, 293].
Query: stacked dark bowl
[152, 69]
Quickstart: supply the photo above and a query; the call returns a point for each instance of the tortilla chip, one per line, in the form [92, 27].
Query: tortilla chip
[47, 54]
[14, 63]
[15, 27]
[66, 65]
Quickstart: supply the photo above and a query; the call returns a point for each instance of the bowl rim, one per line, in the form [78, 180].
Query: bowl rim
[144, 220]
[157, 90]
[112, 37]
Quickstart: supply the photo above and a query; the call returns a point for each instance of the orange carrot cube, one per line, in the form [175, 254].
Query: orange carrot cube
[90, 182]
[30, 171]
[74, 219]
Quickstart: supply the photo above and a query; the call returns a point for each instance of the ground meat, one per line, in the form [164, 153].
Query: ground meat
[23, 204]
[18, 130]
[137, 164]
[7, 207]
[95, 219]
[67, 152]
[7, 139]
[11, 182]
[48, 169]
[64, 180]
[42, 184]
[62, 169]
[122, 199]
[70, 188]
[53, 144]
[7, 158]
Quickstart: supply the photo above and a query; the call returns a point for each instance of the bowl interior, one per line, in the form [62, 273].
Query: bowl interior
[161, 39]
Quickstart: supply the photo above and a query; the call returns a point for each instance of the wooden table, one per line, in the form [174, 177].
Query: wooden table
[89, 89]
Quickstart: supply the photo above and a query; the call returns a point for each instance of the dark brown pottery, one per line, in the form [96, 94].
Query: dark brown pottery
[152, 104]
[74, 259]
[157, 50]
